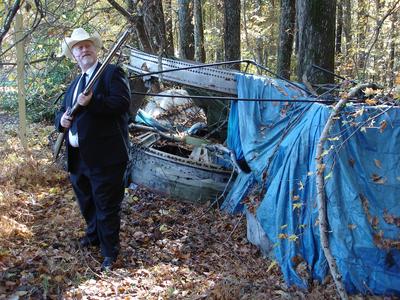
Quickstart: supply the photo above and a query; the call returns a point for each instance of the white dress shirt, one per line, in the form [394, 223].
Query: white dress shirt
[73, 138]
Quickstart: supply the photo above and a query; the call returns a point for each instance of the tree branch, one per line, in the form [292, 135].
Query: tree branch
[10, 17]
[38, 17]
[377, 31]
[123, 11]
[52, 58]
[322, 214]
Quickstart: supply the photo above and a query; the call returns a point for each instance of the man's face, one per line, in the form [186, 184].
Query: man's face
[85, 54]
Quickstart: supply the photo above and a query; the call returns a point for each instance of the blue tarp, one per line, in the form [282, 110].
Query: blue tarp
[362, 171]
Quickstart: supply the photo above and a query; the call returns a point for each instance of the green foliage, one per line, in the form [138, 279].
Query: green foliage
[43, 91]
[40, 93]
[8, 101]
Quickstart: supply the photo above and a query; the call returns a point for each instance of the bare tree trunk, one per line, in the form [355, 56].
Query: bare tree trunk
[154, 24]
[362, 20]
[136, 21]
[286, 36]
[232, 31]
[169, 47]
[339, 26]
[259, 49]
[316, 20]
[245, 29]
[199, 51]
[377, 54]
[142, 35]
[347, 24]
[296, 35]
[392, 47]
[186, 38]
[219, 23]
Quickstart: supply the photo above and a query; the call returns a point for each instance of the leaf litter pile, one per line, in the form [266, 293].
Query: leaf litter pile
[169, 249]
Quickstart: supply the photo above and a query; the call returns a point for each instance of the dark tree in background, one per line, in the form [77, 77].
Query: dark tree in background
[362, 21]
[339, 26]
[347, 24]
[169, 47]
[316, 30]
[137, 22]
[186, 37]
[199, 51]
[232, 31]
[154, 24]
[286, 37]
[392, 47]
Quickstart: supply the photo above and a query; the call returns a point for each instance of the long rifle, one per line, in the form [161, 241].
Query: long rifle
[89, 86]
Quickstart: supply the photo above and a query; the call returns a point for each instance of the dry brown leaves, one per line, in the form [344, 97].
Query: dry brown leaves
[169, 249]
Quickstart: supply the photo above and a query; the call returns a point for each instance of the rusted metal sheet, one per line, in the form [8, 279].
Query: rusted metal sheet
[178, 177]
[210, 78]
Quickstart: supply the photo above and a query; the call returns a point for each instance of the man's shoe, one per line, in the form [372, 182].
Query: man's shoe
[107, 263]
[85, 242]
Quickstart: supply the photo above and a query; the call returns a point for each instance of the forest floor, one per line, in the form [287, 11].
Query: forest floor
[169, 249]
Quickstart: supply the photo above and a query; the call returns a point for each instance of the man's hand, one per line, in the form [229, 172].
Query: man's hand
[84, 100]
[66, 119]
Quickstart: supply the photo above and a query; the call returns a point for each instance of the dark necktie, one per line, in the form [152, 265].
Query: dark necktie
[81, 88]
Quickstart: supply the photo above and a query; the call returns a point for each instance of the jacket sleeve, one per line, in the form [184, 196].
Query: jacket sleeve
[114, 99]
[59, 114]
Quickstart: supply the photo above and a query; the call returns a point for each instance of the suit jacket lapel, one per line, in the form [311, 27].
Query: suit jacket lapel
[95, 70]
[71, 93]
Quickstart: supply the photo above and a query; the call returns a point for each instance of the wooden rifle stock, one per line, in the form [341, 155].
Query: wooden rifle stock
[89, 86]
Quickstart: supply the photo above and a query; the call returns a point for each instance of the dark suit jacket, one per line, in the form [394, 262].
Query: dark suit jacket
[103, 123]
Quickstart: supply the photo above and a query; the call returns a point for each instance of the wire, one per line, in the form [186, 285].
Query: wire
[311, 100]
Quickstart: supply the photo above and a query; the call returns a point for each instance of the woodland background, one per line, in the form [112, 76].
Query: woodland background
[355, 39]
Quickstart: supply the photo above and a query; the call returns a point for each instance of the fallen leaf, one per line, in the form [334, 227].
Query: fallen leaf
[378, 179]
[297, 205]
[329, 175]
[282, 236]
[378, 163]
[371, 102]
[383, 126]
[163, 228]
[272, 265]
[369, 92]
[301, 186]
[352, 226]
[320, 168]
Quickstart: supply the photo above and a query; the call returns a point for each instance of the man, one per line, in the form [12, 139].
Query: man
[97, 143]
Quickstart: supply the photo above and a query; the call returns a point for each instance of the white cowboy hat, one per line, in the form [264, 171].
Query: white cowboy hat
[79, 35]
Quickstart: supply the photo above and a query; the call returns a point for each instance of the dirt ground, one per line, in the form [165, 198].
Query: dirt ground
[169, 249]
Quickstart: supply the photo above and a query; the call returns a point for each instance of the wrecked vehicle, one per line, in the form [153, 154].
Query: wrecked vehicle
[167, 156]
[176, 140]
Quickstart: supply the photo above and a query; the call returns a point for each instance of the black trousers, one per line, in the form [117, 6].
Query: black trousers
[99, 192]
